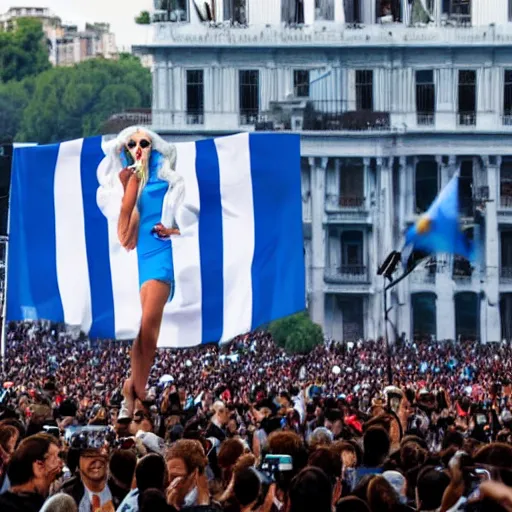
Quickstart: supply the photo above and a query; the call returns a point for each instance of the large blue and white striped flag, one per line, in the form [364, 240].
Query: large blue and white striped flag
[240, 266]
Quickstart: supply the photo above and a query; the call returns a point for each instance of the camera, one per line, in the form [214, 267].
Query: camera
[274, 468]
[52, 431]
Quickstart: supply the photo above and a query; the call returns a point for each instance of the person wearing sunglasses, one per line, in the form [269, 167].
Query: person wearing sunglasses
[146, 219]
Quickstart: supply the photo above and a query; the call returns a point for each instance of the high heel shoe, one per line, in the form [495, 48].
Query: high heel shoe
[127, 406]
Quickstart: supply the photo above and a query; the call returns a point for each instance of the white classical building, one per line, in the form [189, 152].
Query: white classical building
[391, 98]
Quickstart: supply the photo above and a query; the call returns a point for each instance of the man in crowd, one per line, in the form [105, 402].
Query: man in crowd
[90, 488]
[32, 469]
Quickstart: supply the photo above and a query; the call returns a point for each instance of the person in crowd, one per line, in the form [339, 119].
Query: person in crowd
[218, 422]
[204, 414]
[91, 488]
[151, 473]
[186, 465]
[9, 436]
[33, 467]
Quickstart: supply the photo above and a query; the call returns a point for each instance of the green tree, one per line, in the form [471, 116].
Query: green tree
[297, 334]
[14, 97]
[74, 102]
[23, 51]
[143, 18]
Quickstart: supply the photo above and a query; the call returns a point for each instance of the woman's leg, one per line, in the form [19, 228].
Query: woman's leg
[154, 297]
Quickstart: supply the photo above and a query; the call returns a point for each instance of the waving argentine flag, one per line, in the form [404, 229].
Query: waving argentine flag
[439, 229]
[238, 265]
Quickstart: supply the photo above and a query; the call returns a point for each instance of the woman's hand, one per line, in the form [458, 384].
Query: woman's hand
[125, 175]
[203, 493]
[175, 493]
[163, 232]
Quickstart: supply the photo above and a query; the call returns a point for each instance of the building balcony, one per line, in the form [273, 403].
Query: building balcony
[425, 120]
[506, 119]
[506, 203]
[329, 115]
[466, 119]
[506, 275]
[342, 208]
[322, 34]
[347, 274]
[504, 210]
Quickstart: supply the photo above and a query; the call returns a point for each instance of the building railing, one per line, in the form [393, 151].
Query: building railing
[506, 119]
[322, 116]
[506, 274]
[310, 118]
[466, 118]
[193, 119]
[347, 274]
[328, 33]
[425, 119]
[248, 118]
[506, 202]
[342, 202]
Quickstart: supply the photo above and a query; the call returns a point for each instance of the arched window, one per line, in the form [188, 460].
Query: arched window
[506, 316]
[424, 315]
[467, 315]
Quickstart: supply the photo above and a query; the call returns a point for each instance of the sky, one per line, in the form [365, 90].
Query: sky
[119, 13]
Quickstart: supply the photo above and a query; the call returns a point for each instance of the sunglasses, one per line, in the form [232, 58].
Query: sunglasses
[143, 143]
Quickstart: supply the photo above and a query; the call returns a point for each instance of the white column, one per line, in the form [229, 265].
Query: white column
[445, 286]
[490, 310]
[318, 239]
[368, 12]
[374, 310]
[403, 288]
[438, 11]
[386, 246]
[486, 112]
[339, 12]
[446, 99]
[309, 12]
[382, 240]
[179, 82]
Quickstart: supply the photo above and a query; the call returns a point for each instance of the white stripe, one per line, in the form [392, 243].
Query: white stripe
[124, 271]
[182, 323]
[70, 245]
[237, 232]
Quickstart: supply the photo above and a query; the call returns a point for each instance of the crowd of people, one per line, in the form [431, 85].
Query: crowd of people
[245, 427]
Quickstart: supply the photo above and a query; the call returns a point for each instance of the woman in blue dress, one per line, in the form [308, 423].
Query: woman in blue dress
[151, 194]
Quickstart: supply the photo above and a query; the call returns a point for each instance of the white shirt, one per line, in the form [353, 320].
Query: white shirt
[86, 503]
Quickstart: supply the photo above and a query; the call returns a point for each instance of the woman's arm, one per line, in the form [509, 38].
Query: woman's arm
[127, 226]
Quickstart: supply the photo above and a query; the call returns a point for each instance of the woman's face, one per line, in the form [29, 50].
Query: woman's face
[348, 459]
[139, 146]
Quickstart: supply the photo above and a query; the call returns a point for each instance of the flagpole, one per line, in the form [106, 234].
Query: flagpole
[386, 336]
[388, 287]
[3, 339]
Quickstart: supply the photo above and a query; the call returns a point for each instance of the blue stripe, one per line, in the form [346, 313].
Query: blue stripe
[210, 240]
[32, 271]
[96, 238]
[278, 272]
